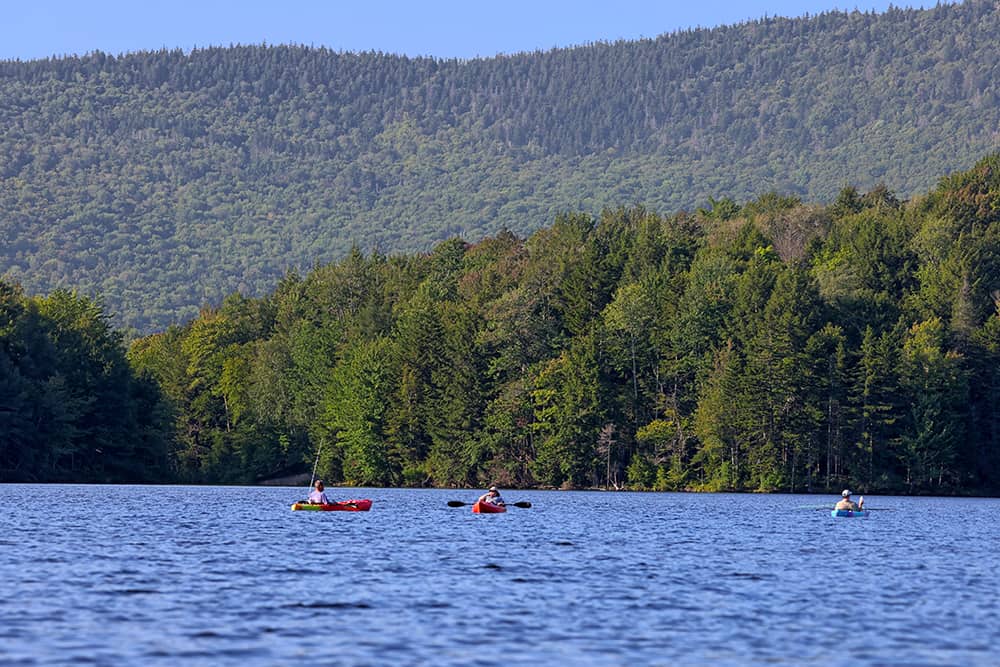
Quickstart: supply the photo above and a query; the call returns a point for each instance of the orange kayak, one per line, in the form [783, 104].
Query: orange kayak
[487, 508]
[343, 506]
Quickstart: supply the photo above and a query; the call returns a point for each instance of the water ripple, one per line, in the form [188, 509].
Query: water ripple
[229, 576]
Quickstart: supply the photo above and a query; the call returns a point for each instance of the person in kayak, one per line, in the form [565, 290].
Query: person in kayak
[847, 504]
[317, 496]
[492, 497]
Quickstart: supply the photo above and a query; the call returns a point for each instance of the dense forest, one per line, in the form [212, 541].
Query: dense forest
[772, 345]
[161, 181]
[71, 406]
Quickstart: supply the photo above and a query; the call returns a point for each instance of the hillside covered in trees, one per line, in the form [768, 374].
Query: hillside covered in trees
[766, 346]
[162, 181]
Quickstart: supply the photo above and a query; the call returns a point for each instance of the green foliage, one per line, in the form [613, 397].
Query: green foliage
[165, 180]
[777, 346]
[641, 474]
[568, 414]
[936, 427]
[71, 407]
[355, 413]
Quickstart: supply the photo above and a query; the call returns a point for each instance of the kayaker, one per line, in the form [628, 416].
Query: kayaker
[492, 497]
[316, 496]
[847, 504]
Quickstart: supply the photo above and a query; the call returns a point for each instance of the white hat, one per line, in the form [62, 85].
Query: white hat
[493, 488]
[845, 493]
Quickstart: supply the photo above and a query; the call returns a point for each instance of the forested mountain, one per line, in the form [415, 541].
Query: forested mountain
[765, 346]
[165, 180]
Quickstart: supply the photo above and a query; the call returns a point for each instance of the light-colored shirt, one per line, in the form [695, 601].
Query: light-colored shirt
[492, 499]
[318, 497]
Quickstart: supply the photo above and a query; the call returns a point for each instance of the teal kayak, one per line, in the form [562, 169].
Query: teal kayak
[848, 513]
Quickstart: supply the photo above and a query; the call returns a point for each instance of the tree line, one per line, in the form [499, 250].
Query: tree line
[163, 180]
[765, 346]
[72, 408]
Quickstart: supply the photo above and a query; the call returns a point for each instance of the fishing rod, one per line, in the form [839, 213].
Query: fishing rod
[312, 479]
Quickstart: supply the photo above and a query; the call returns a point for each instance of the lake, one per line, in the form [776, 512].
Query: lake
[174, 575]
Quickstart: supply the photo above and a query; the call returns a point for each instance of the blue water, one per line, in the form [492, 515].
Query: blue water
[119, 575]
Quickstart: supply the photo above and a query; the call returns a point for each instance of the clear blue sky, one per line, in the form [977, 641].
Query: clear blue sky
[31, 29]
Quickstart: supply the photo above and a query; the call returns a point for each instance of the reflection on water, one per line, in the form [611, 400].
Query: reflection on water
[122, 575]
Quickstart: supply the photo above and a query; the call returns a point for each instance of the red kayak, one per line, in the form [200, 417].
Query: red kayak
[487, 508]
[361, 505]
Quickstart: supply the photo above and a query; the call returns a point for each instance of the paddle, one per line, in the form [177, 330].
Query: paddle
[521, 503]
[861, 506]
